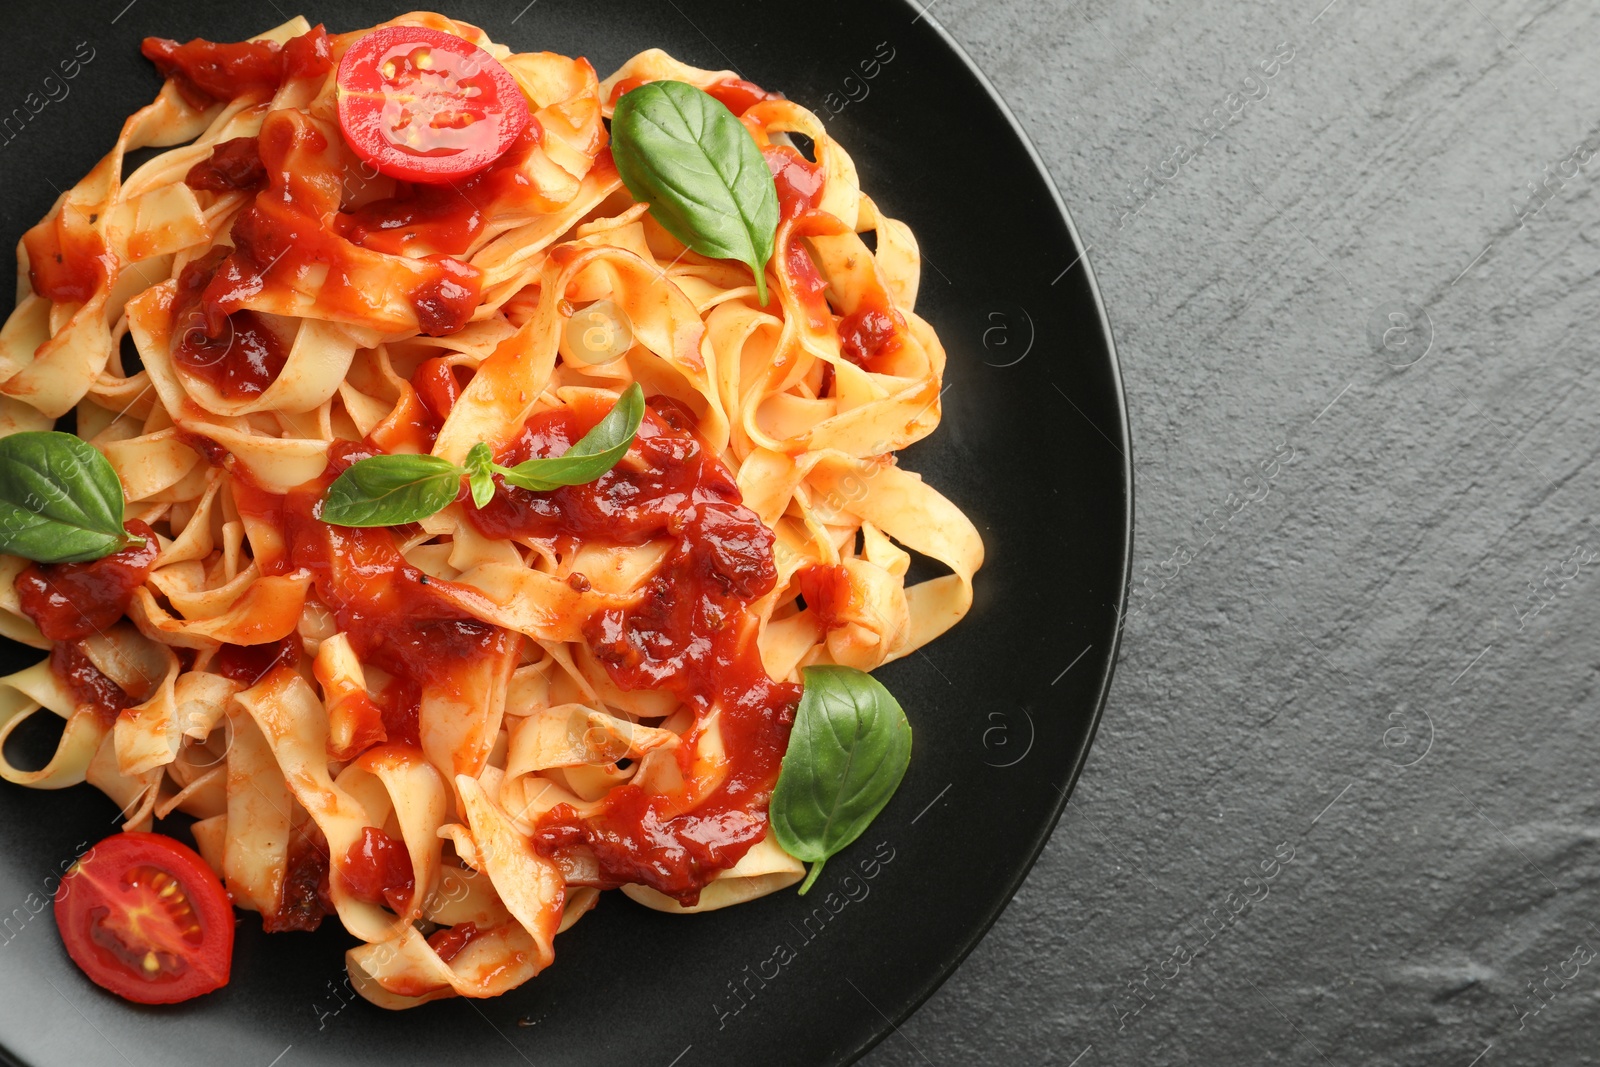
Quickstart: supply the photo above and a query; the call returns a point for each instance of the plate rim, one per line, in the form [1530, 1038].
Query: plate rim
[1074, 768]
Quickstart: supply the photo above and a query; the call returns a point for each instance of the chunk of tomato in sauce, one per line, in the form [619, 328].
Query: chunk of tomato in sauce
[248, 664]
[67, 260]
[827, 593]
[868, 335]
[439, 385]
[377, 869]
[236, 353]
[449, 942]
[233, 164]
[208, 71]
[81, 678]
[306, 899]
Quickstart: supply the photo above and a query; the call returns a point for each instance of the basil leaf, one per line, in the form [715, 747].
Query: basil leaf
[699, 168]
[849, 749]
[60, 499]
[480, 474]
[390, 490]
[594, 453]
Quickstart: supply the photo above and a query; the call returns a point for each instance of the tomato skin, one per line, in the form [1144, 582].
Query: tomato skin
[145, 896]
[427, 106]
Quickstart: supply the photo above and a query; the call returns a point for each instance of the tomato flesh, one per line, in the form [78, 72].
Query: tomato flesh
[144, 917]
[423, 105]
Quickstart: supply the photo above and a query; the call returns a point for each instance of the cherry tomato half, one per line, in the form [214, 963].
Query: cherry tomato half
[423, 105]
[143, 916]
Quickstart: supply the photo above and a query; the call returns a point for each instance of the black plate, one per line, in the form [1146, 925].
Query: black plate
[1034, 446]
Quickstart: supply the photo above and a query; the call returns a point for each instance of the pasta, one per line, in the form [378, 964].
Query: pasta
[452, 734]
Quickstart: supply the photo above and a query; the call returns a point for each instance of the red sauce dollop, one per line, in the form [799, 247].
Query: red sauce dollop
[691, 633]
[70, 601]
[866, 335]
[237, 353]
[624, 86]
[377, 869]
[207, 71]
[308, 55]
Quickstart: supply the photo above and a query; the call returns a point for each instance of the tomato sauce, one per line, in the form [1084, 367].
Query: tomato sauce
[377, 869]
[449, 942]
[739, 96]
[308, 55]
[808, 283]
[868, 334]
[70, 601]
[799, 181]
[248, 664]
[208, 71]
[236, 352]
[305, 898]
[285, 232]
[383, 604]
[690, 632]
[624, 86]
[826, 589]
[234, 164]
[735, 94]
[81, 678]
[438, 385]
[66, 264]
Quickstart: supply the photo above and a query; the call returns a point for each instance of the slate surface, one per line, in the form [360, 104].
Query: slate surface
[1354, 314]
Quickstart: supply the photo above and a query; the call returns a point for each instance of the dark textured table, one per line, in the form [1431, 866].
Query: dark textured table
[1341, 808]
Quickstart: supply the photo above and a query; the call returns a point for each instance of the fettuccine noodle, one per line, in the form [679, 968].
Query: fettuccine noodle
[454, 734]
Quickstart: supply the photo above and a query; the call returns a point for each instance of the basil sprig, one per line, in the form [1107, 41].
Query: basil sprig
[848, 751]
[698, 167]
[391, 490]
[591, 456]
[60, 499]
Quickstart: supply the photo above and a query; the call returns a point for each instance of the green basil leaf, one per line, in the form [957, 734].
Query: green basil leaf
[698, 167]
[594, 453]
[60, 499]
[390, 490]
[480, 474]
[849, 749]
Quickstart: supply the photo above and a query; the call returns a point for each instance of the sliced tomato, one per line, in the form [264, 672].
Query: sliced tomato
[143, 916]
[423, 105]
